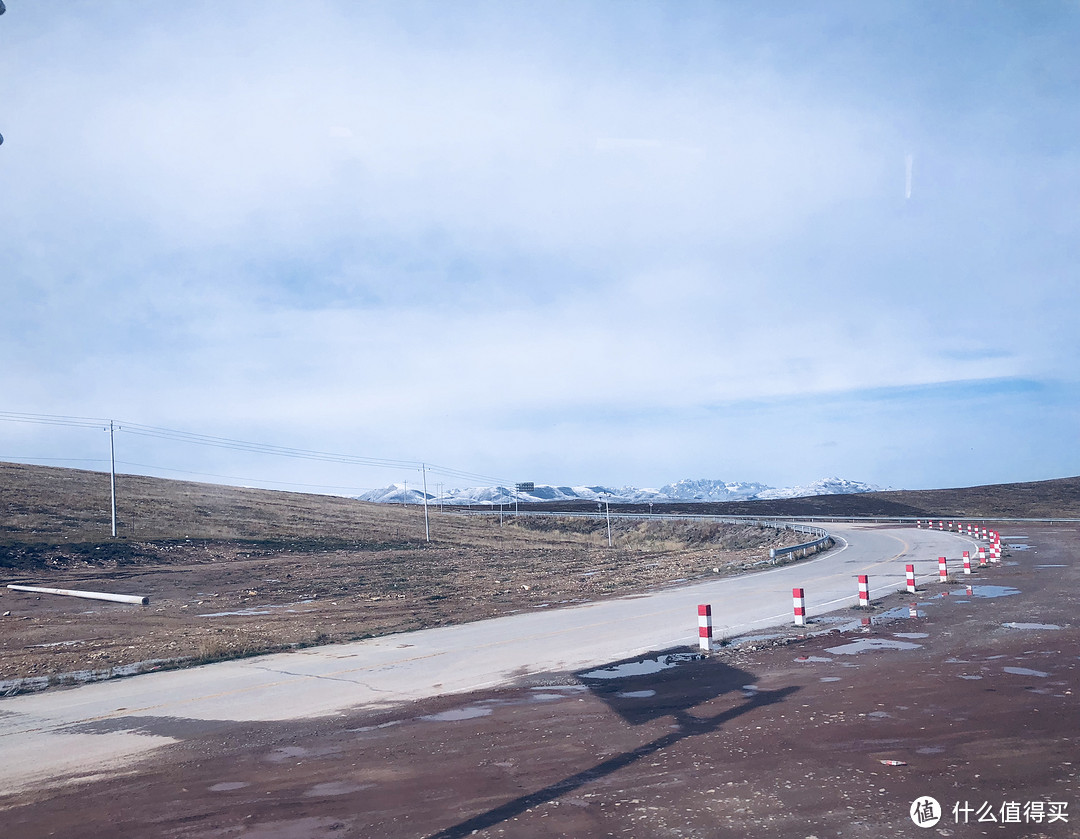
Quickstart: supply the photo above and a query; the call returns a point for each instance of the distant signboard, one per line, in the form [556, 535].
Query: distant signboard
[527, 486]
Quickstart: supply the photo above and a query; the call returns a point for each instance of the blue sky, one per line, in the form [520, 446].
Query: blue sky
[617, 243]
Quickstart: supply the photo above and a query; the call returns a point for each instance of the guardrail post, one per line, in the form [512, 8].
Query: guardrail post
[705, 627]
[797, 595]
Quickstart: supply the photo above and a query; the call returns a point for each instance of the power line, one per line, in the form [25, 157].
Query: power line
[249, 446]
[240, 478]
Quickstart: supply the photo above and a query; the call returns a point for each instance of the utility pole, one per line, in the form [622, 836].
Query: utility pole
[607, 505]
[427, 526]
[405, 495]
[112, 476]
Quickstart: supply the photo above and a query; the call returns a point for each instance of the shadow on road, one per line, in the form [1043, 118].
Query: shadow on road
[638, 697]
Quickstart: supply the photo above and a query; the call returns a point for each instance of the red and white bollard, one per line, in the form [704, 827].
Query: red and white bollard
[864, 590]
[967, 562]
[969, 528]
[942, 568]
[918, 523]
[941, 525]
[982, 556]
[704, 621]
[995, 553]
[799, 599]
[910, 569]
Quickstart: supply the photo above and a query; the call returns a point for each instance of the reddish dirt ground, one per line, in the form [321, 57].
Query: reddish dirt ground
[781, 738]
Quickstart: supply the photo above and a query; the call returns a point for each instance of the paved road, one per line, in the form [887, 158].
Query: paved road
[77, 733]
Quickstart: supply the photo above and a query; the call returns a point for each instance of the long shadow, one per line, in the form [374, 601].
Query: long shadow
[700, 688]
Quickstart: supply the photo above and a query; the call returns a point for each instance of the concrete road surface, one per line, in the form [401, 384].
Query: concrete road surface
[71, 734]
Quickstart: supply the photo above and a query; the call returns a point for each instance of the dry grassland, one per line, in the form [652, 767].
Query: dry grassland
[234, 572]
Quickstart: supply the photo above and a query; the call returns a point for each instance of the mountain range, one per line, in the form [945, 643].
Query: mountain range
[687, 490]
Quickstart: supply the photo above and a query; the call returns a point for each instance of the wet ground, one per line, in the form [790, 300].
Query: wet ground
[966, 695]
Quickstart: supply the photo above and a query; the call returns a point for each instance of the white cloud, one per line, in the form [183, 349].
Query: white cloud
[366, 213]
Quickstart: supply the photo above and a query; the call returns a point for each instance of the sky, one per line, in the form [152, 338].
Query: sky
[571, 243]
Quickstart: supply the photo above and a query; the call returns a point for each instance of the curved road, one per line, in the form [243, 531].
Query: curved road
[47, 738]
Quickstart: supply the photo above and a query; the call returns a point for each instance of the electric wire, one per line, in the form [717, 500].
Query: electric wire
[249, 446]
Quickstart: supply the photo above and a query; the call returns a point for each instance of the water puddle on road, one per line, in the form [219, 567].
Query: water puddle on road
[1015, 625]
[643, 667]
[636, 694]
[899, 613]
[1025, 671]
[866, 644]
[987, 591]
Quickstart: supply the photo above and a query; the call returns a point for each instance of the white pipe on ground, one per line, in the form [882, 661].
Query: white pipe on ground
[89, 595]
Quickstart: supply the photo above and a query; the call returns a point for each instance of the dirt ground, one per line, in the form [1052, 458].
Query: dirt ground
[973, 701]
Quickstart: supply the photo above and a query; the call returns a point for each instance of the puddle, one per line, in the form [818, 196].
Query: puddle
[455, 714]
[898, 613]
[829, 679]
[879, 715]
[989, 591]
[335, 788]
[1014, 625]
[549, 697]
[971, 678]
[865, 644]
[228, 786]
[1051, 566]
[816, 659]
[636, 694]
[930, 750]
[1025, 671]
[643, 667]
[911, 634]
[1013, 547]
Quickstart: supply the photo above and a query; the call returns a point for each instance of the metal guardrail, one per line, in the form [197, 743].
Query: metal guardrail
[822, 543]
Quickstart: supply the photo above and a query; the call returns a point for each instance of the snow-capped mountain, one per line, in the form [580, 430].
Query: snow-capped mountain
[826, 486]
[682, 491]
